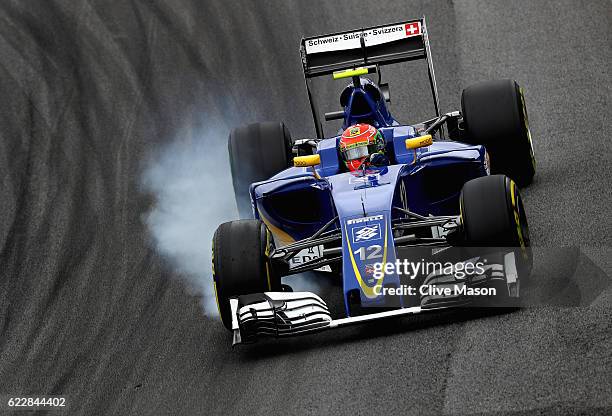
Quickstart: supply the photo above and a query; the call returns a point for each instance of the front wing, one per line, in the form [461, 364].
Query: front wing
[283, 314]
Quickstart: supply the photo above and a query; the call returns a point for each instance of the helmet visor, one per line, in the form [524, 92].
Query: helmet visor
[360, 152]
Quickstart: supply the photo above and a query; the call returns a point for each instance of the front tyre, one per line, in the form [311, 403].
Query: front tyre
[495, 115]
[240, 262]
[495, 223]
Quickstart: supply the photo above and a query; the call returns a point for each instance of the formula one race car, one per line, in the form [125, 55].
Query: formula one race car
[378, 197]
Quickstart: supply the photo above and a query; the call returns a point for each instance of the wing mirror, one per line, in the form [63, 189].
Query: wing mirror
[306, 161]
[417, 142]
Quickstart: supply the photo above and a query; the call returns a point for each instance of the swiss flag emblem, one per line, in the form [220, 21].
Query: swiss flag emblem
[413, 28]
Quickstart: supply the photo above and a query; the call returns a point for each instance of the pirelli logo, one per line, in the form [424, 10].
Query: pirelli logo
[365, 219]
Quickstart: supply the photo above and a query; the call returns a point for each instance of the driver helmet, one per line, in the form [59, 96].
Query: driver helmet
[358, 143]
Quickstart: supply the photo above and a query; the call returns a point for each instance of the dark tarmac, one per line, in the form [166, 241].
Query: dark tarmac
[89, 310]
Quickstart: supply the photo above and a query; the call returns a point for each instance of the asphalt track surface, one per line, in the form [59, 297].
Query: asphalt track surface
[90, 311]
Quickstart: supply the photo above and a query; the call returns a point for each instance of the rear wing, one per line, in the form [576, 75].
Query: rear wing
[380, 45]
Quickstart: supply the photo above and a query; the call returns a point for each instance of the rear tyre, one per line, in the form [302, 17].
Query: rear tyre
[494, 223]
[240, 263]
[495, 116]
[257, 152]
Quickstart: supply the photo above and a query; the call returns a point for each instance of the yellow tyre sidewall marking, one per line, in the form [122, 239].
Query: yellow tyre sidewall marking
[517, 218]
[213, 276]
[461, 209]
[267, 254]
[526, 121]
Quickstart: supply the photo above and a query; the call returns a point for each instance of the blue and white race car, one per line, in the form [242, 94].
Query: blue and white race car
[443, 191]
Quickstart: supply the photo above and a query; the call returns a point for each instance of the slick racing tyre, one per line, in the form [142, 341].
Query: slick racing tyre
[257, 152]
[494, 224]
[495, 116]
[240, 262]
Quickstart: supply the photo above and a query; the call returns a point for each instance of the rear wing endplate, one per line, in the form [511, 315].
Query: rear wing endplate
[380, 45]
